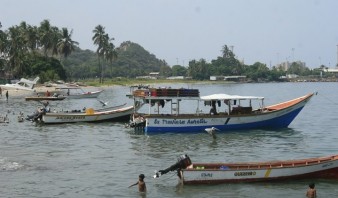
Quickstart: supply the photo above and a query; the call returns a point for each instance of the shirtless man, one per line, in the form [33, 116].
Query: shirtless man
[311, 192]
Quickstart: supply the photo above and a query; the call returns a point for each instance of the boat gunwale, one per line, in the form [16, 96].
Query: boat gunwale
[262, 165]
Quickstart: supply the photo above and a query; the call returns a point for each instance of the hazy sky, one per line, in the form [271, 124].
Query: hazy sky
[268, 31]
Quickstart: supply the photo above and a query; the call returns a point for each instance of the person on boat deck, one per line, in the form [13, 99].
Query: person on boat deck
[47, 93]
[141, 184]
[213, 110]
[311, 192]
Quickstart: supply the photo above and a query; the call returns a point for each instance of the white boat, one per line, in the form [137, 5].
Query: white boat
[216, 173]
[37, 98]
[22, 84]
[238, 112]
[77, 92]
[22, 87]
[118, 113]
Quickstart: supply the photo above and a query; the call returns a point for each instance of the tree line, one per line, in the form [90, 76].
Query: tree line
[27, 50]
[50, 52]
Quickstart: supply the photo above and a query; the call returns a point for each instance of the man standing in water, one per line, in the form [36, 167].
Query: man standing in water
[7, 96]
[311, 192]
[141, 184]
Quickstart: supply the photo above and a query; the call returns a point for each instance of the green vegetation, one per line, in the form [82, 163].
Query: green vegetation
[30, 50]
[135, 81]
[47, 51]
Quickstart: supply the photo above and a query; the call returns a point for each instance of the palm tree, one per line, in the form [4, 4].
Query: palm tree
[32, 38]
[227, 53]
[56, 36]
[99, 39]
[16, 50]
[110, 55]
[3, 48]
[49, 37]
[66, 45]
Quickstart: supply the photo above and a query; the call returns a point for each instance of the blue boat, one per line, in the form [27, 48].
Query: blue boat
[239, 112]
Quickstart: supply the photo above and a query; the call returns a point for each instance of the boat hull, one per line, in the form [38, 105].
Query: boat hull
[85, 95]
[45, 98]
[228, 173]
[198, 123]
[121, 114]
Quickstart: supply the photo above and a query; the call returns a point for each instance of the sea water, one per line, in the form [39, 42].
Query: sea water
[103, 159]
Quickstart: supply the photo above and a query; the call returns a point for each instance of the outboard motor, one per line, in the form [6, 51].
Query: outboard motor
[182, 162]
[37, 115]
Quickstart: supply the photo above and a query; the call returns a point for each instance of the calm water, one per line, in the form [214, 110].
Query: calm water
[102, 160]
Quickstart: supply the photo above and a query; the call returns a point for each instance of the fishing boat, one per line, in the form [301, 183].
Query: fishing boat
[216, 173]
[117, 113]
[77, 92]
[171, 111]
[37, 98]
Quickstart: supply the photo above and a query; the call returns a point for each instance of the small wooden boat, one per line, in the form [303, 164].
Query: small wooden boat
[215, 173]
[88, 115]
[77, 92]
[233, 112]
[38, 98]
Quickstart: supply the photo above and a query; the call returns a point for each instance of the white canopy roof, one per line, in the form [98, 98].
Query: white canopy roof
[230, 97]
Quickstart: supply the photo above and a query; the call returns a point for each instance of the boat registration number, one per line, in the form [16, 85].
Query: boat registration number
[70, 117]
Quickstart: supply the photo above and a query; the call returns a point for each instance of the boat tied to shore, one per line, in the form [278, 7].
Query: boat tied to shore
[217, 173]
[171, 114]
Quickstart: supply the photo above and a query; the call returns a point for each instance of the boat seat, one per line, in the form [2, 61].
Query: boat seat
[241, 110]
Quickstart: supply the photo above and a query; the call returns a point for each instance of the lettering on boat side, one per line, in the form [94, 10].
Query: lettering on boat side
[327, 165]
[250, 173]
[206, 174]
[180, 122]
[70, 117]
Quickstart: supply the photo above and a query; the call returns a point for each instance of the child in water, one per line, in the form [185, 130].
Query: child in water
[141, 184]
[311, 192]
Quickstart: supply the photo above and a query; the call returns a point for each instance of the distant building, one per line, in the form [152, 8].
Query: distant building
[154, 74]
[235, 78]
[214, 78]
[289, 76]
[176, 78]
[335, 70]
[284, 66]
[228, 78]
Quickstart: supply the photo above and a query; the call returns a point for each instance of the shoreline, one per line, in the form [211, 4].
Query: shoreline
[40, 88]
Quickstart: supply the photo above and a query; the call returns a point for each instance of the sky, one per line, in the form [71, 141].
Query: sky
[177, 31]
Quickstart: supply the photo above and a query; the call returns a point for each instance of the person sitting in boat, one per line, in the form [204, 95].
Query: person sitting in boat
[213, 110]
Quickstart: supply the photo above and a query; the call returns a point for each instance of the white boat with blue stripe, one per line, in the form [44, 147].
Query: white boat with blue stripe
[168, 111]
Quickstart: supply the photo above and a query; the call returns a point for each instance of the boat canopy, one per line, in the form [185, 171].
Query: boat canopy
[229, 97]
